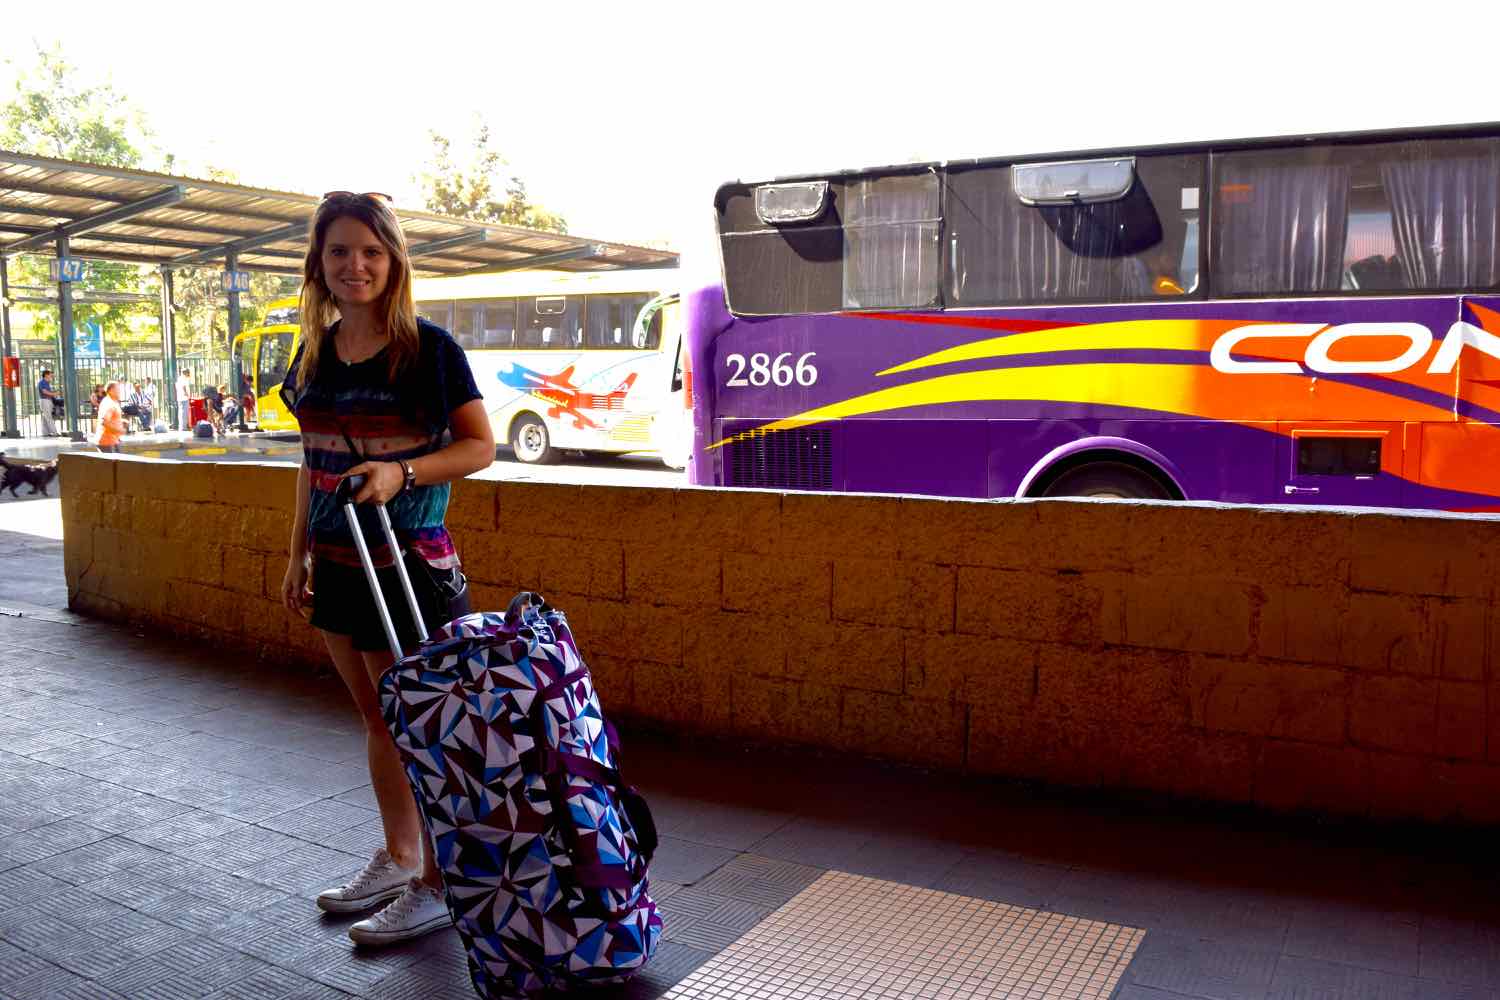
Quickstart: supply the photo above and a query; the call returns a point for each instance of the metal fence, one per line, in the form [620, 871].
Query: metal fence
[91, 372]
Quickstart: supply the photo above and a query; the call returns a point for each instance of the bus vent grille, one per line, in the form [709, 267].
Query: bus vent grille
[795, 459]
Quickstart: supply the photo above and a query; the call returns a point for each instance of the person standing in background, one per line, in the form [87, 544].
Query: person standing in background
[111, 419]
[45, 395]
[184, 393]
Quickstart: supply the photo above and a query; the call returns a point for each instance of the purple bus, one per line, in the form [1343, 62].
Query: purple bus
[1312, 319]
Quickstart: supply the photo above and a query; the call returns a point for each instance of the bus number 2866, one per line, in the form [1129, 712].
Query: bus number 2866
[763, 371]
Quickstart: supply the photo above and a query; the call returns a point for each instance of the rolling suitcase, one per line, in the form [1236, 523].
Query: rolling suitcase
[544, 849]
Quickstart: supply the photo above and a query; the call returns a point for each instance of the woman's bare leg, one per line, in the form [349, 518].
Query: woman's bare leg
[376, 664]
[398, 810]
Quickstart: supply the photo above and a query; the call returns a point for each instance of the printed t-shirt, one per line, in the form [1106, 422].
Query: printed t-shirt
[386, 421]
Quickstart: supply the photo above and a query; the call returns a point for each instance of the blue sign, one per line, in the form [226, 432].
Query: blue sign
[236, 281]
[66, 269]
[88, 341]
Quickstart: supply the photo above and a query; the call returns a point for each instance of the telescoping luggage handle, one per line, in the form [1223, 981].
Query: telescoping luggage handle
[344, 495]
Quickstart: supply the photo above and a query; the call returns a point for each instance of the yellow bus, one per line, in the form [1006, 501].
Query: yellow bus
[259, 363]
[566, 361]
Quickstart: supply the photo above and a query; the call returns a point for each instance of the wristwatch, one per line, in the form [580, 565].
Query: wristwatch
[408, 475]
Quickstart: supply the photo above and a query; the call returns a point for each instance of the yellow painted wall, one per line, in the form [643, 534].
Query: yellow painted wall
[1336, 662]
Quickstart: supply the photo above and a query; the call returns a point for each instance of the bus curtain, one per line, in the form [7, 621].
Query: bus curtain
[1436, 202]
[890, 241]
[1281, 226]
[1007, 251]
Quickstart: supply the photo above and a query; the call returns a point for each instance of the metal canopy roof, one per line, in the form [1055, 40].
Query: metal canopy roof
[112, 213]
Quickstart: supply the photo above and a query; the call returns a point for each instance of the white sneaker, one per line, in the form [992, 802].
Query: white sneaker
[381, 880]
[418, 910]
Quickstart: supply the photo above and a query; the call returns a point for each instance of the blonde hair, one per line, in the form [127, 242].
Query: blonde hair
[318, 309]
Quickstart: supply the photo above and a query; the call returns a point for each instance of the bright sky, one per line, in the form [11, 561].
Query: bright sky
[625, 117]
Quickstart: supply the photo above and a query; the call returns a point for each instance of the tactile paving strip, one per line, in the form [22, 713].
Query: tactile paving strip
[848, 937]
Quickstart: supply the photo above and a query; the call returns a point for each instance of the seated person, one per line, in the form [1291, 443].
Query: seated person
[213, 406]
[230, 407]
[1376, 273]
[139, 408]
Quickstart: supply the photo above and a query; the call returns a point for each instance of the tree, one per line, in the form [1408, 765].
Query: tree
[481, 187]
[52, 114]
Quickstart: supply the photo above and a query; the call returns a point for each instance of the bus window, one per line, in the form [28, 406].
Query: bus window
[1377, 218]
[772, 270]
[275, 357]
[436, 312]
[550, 323]
[1131, 247]
[891, 229]
[498, 329]
[467, 317]
[609, 319]
[866, 243]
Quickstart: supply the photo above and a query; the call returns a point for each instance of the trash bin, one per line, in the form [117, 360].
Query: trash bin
[197, 410]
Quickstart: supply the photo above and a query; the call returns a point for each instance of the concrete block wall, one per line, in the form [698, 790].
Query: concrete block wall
[1292, 659]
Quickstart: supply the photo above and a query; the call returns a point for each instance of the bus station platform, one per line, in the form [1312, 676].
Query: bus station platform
[168, 812]
[167, 444]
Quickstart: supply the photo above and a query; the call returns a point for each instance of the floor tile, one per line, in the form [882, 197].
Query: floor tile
[847, 935]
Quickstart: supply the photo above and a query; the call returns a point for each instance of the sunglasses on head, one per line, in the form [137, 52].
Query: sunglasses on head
[356, 195]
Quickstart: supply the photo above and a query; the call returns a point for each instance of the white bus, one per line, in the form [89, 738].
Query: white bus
[572, 362]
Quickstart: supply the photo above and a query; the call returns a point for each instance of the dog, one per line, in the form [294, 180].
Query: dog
[35, 476]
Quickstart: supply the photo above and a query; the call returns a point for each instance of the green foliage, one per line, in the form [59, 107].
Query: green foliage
[52, 114]
[201, 318]
[481, 187]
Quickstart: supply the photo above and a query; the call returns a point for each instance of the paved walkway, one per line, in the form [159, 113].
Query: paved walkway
[168, 444]
[167, 813]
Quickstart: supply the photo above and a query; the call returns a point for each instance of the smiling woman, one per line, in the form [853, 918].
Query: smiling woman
[376, 393]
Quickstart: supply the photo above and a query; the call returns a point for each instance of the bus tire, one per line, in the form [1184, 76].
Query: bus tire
[1115, 480]
[530, 441]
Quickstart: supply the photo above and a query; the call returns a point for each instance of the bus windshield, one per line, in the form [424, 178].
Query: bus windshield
[262, 357]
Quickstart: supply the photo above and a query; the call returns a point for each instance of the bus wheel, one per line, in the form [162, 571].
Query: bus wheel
[529, 440]
[1108, 479]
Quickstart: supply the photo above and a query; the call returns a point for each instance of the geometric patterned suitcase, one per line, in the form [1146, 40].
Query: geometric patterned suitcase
[544, 850]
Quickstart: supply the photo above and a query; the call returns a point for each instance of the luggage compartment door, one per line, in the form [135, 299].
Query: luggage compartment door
[1354, 463]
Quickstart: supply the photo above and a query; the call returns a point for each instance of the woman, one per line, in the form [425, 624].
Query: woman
[374, 392]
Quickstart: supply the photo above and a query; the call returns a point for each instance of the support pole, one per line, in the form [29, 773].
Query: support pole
[236, 377]
[231, 264]
[7, 349]
[168, 350]
[65, 340]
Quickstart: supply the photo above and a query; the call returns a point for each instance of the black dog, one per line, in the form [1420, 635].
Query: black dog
[35, 476]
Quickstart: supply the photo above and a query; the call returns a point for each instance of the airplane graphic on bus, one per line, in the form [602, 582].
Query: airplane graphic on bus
[563, 396]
